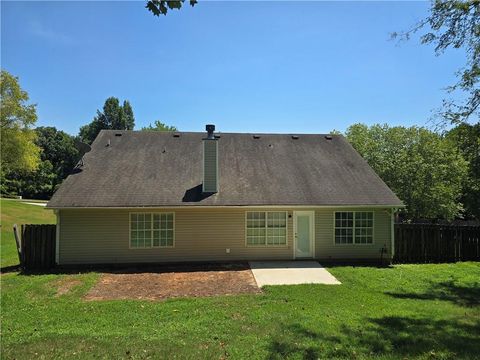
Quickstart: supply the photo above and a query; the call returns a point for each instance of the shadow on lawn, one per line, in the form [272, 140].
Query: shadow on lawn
[303, 343]
[140, 268]
[9, 269]
[402, 337]
[448, 291]
[378, 264]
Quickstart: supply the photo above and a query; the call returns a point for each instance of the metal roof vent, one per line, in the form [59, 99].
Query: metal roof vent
[328, 137]
[256, 136]
[295, 137]
[210, 129]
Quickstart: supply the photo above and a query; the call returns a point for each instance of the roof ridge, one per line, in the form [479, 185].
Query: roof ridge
[222, 133]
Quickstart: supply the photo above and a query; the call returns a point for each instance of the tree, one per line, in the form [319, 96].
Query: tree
[114, 116]
[157, 7]
[17, 118]
[128, 117]
[59, 149]
[455, 24]
[420, 166]
[37, 184]
[58, 157]
[159, 126]
[466, 138]
[89, 132]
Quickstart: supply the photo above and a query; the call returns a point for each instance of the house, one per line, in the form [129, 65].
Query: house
[184, 196]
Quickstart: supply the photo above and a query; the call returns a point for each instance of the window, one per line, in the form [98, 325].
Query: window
[266, 228]
[363, 227]
[354, 227]
[151, 230]
[344, 228]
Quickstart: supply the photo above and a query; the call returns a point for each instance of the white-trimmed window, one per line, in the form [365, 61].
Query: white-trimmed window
[354, 227]
[151, 230]
[266, 228]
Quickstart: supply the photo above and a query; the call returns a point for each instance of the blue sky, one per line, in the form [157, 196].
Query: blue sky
[306, 67]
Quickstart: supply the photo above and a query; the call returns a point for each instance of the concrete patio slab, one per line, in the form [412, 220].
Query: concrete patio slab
[291, 273]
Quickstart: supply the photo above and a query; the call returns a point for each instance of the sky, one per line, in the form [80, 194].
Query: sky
[276, 66]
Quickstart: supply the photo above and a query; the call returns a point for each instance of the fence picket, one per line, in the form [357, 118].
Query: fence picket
[436, 243]
[38, 246]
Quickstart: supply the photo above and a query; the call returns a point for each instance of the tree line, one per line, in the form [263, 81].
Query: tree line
[436, 175]
[35, 160]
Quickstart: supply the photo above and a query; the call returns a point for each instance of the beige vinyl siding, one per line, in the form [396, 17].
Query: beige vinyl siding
[102, 236]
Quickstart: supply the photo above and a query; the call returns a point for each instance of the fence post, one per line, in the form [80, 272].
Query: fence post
[18, 243]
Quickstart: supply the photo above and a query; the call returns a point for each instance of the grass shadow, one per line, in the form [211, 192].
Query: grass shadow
[300, 343]
[411, 337]
[357, 263]
[141, 268]
[463, 295]
[10, 269]
[389, 336]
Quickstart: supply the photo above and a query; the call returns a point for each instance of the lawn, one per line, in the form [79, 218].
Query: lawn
[402, 312]
[410, 311]
[17, 212]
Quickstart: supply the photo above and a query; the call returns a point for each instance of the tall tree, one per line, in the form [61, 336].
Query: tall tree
[114, 116]
[159, 126]
[466, 138]
[128, 117]
[157, 7]
[17, 118]
[420, 166]
[455, 24]
[58, 157]
[112, 113]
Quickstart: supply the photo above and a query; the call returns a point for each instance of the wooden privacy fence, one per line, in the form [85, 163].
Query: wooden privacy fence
[422, 243]
[36, 246]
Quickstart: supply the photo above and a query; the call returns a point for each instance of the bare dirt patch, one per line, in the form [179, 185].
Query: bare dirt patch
[172, 282]
[65, 285]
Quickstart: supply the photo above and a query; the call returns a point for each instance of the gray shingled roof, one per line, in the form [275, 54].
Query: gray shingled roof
[157, 169]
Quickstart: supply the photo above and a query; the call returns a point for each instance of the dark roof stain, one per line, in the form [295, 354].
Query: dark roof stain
[155, 169]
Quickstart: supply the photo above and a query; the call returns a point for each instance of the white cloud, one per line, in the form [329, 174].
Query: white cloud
[41, 31]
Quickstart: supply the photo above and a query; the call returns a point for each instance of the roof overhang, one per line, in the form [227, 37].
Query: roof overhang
[229, 207]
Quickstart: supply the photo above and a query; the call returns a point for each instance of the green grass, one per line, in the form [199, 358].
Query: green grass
[17, 212]
[409, 311]
[403, 312]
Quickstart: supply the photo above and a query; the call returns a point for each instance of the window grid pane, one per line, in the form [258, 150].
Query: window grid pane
[344, 228]
[364, 227]
[344, 236]
[140, 234]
